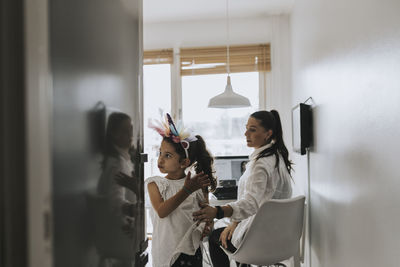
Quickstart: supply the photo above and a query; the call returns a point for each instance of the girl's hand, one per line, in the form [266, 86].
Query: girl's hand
[128, 227]
[227, 234]
[205, 214]
[128, 209]
[198, 181]
[127, 181]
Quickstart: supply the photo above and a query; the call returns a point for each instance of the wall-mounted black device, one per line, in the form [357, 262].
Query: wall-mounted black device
[302, 129]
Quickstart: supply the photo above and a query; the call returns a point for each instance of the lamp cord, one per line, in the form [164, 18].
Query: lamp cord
[227, 37]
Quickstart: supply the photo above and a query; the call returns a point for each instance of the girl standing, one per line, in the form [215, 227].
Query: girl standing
[176, 239]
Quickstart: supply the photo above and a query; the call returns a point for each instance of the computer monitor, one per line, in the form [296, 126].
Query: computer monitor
[230, 167]
[228, 170]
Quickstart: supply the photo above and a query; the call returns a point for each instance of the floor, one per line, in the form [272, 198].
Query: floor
[150, 264]
[206, 261]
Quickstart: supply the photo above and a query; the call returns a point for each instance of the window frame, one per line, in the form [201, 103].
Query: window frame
[176, 79]
[176, 90]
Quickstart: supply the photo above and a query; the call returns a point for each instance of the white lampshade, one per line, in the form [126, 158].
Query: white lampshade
[229, 99]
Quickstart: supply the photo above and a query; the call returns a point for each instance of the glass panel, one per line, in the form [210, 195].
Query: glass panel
[222, 129]
[156, 97]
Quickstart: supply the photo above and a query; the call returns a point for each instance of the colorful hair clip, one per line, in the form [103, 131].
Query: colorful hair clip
[178, 133]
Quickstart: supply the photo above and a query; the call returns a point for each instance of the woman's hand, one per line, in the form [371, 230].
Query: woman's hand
[127, 181]
[205, 214]
[227, 234]
[198, 181]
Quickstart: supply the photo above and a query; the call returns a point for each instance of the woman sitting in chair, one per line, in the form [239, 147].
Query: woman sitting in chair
[267, 176]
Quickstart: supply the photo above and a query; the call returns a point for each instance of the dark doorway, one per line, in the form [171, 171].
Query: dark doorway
[13, 211]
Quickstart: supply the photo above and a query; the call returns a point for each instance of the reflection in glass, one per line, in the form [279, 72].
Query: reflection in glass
[114, 208]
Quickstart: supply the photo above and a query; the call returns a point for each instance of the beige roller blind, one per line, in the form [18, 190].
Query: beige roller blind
[164, 56]
[212, 60]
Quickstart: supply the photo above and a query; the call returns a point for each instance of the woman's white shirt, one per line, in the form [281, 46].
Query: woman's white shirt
[176, 233]
[261, 181]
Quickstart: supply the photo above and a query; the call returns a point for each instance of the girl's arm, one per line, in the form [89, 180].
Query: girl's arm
[130, 182]
[115, 193]
[165, 207]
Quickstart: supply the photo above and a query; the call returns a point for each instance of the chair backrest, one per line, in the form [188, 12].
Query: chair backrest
[109, 239]
[274, 234]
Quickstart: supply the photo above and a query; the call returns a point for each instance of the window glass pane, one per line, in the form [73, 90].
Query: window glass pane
[222, 129]
[156, 97]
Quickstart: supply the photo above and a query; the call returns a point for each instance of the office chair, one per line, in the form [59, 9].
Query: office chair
[274, 234]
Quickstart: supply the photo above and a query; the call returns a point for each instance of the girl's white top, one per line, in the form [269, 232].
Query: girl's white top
[260, 182]
[176, 233]
[116, 195]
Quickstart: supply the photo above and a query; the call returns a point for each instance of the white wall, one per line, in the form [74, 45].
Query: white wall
[346, 56]
[206, 33]
[272, 29]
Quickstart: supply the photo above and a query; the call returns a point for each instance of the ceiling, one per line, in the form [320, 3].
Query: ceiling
[156, 11]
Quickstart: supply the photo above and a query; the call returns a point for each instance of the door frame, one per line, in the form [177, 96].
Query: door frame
[39, 109]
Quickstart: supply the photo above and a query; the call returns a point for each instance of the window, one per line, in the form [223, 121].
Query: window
[222, 129]
[156, 82]
[213, 60]
[156, 97]
[197, 75]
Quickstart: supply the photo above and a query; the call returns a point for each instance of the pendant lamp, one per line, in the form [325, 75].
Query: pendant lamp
[228, 99]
